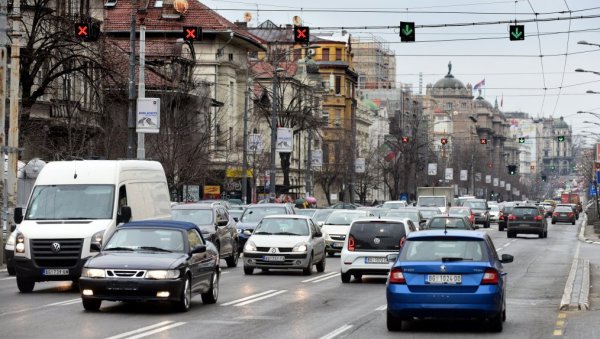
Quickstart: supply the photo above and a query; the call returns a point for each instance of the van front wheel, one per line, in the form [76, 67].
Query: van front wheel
[25, 285]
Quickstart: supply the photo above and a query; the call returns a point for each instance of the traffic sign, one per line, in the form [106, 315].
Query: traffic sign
[561, 138]
[192, 33]
[517, 32]
[483, 141]
[301, 34]
[444, 141]
[407, 31]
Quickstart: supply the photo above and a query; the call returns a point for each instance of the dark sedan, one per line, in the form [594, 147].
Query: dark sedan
[527, 219]
[563, 214]
[152, 261]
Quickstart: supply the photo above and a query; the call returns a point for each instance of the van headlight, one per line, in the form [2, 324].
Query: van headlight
[20, 244]
[162, 274]
[97, 237]
[300, 247]
[93, 273]
[250, 247]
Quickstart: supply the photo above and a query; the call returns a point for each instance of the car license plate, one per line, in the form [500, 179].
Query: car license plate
[376, 260]
[444, 279]
[337, 244]
[122, 286]
[56, 271]
[274, 258]
[563, 215]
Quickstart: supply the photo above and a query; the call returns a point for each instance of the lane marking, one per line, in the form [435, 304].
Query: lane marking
[337, 332]
[66, 302]
[381, 308]
[9, 278]
[157, 330]
[319, 277]
[506, 245]
[139, 330]
[329, 277]
[560, 323]
[247, 298]
[260, 298]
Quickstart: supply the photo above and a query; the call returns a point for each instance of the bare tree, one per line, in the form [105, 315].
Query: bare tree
[367, 180]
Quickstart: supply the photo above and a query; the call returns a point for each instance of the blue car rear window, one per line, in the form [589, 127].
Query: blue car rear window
[436, 249]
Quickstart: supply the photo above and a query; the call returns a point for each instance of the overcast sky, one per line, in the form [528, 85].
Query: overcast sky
[512, 69]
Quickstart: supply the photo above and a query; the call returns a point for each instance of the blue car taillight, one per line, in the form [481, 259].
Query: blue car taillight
[396, 276]
[490, 277]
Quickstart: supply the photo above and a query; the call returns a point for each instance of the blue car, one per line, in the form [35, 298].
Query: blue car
[447, 274]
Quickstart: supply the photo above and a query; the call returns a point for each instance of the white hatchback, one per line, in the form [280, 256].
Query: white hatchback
[368, 244]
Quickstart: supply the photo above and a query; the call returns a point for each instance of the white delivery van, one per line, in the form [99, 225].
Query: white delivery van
[72, 204]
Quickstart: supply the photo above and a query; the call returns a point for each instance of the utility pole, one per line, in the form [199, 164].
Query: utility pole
[245, 150]
[132, 95]
[272, 177]
[141, 137]
[3, 57]
[308, 175]
[353, 157]
[13, 127]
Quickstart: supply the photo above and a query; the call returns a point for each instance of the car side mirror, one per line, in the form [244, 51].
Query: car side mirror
[236, 219]
[320, 223]
[95, 247]
[506, 258]
[18, 215]
[125, 215]
[199, 249]
[392, 257]
[318, 234]
[14, 227]
[489, 208]
[222, 223]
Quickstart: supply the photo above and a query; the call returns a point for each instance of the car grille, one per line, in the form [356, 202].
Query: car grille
[337, 237]
[125, 273]
[268, 249]
[43, 254]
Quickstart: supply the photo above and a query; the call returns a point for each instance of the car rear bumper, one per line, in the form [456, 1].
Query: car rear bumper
[131, 289]
[563, 219]
[357, 264]
[525, 228]
[484, 303]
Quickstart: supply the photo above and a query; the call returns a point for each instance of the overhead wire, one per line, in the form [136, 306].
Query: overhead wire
[565, 63]
[541, 58]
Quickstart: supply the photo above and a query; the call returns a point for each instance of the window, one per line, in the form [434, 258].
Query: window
[448, 106]
[338, 84]
[158, 4]
[463, 105]
[230, 56]
[194, 239]
[325, 117]
[325, 55]
[338, 54]
[110, 3]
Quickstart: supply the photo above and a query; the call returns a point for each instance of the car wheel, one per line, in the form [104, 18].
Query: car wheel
[346, 277]
[211, 296]
[25, 285]
[248, 270]
[308, 269]
[321, 265]
[331, 254]
[496, 323]
[91, 304]
[553, 222]
[185, 300]
[541, 234]
[10, 268]
[573, 222]
[510, 234]
[393, 323]
[232, 261]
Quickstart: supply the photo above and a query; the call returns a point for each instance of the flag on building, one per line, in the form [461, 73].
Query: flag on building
[386, 151]
[479, 84]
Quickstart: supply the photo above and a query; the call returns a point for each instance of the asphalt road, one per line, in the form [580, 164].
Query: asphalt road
[288, 304]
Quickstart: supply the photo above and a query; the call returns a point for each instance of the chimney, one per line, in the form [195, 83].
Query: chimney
[241, 24]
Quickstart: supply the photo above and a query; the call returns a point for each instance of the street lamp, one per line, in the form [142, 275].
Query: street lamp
[581, 70]
[591, 122]
[583, 42]
[589, 91]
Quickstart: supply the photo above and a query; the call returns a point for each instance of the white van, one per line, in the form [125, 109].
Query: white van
[73, 203]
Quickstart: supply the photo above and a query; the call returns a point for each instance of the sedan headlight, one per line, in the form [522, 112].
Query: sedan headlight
[300, 247]
[20, 246]
[93, 273]
[250, 247]
[162, 274]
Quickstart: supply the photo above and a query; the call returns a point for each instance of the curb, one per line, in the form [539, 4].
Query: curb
[581, 235]
[566, 298]
[584, 297]
[578, 284]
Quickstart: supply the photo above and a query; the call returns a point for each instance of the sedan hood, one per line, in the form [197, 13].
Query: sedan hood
[277, 240]
[136, 260]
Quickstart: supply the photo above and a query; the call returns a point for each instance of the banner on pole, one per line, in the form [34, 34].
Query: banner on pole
[464, 174]
[488, 179]
[148, 115]
[317, 158]
[495, 182]
[508, 187]
[285, 140]
[449, 174]
[359, 165]
[478, 177]
[431, 169]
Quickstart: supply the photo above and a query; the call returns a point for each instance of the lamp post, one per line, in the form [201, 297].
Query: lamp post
[245, 150]
[589, 91]
[272, 177]
[583, 42]
[597, 115]
[581, 70]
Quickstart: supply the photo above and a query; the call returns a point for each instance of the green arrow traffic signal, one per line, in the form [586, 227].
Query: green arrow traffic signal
[407, 31]
[517, 32]
[521, 140]
[561, 138]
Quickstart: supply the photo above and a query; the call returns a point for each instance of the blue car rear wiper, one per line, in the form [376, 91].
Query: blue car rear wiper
[456, 259]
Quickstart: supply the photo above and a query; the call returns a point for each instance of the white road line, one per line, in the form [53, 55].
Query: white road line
[381, 308]
[147, 328]
[261, 298]
[337, 332]
[319, 277]
[329, 277]
[160, 329]
[506, 245]
[9, 278]
[66, 302]
[247, 298]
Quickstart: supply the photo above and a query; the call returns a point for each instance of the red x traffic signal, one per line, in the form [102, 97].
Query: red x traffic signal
[82, 30]
[444, 141]
[301, 34]
[404, 140]
[483, 141]
[192, 33]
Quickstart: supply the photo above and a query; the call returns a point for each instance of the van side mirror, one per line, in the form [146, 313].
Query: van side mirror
[125, 215]
[18, 215]
[95, 247]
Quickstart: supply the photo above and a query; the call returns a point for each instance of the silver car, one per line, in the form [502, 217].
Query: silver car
[284, 242]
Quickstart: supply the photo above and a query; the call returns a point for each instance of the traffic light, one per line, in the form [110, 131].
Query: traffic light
[83, 30]
[301, 34]
[512, 169]
[483, 141]
[192, 33]
[407, 31]
[444, 141]
[553, 167]
[404, 140]
[544, 178]
[521, 140]
[561, 138]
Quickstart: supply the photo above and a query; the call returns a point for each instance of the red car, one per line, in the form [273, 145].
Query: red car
[466, 211]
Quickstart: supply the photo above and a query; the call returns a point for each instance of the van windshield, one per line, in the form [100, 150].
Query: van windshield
[71, 202]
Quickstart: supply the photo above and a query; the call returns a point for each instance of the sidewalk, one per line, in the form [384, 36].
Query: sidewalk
[588, 235]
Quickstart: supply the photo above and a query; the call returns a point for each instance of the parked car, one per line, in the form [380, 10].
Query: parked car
[455, 274]
[216, 226]
[336, 228]
[152, 261]
[377, 212]
[563, 214]
[223, 203]
[527, 219]
[368, 243]
[394, 204]
[254, 213]
[449, 221]
[548, 207]
[463, 210]
[573, 208]
[235, 214]
[480, 209]
[411, 213]
[284, 242]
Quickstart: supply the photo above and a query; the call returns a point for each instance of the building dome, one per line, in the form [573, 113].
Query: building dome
[560, 123]
[481, 102]
[449, 81]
